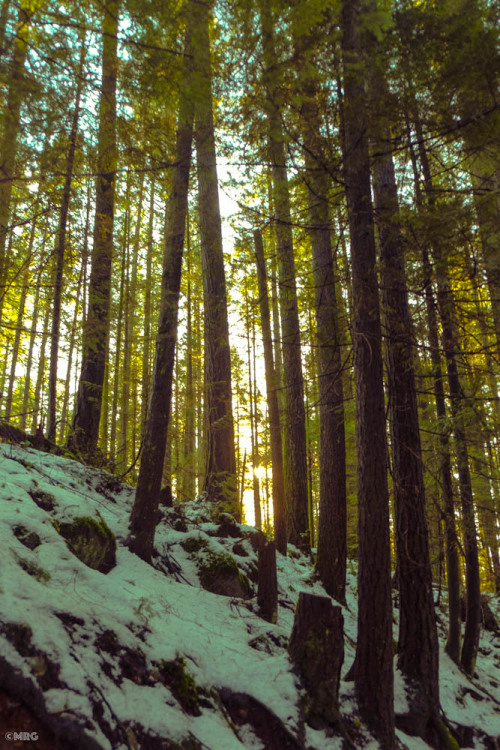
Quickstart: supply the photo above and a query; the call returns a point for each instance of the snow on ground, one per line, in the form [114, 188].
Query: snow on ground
[94, 645]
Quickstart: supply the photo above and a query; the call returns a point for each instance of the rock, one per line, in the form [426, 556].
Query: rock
[44, 500]
[244, 709]
[181, 683]
[218, 571]
[227, 526]
[30, 539]
[91, 541]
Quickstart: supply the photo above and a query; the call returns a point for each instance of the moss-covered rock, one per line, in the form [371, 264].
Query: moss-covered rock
[34, 570]
[91, 541]
[181, 683]
[218, 571]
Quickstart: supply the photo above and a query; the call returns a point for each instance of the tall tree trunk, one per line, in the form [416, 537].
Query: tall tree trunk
[85, 428]
[294, 421]
[146, 349]
[418, 651]
[331, 557]
[187, 491]
[16, 346]
[220, 477]
[71, 349]
[4, 15]
[272, 399]
[60, 250]
[144, 516]
[452, 353]
[452, 560]
[11, 126]
[38, 414]
[373, 667]
[253, 432]
[29, 360]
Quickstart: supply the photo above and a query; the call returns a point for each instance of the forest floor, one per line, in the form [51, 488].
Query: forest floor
[146, 657]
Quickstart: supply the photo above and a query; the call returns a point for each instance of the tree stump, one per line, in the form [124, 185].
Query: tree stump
[317, 648]
[267, 596]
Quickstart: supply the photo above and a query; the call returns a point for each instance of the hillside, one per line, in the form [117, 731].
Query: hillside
[147, 657]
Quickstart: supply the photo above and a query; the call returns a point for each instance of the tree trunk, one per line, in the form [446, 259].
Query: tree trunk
[85, 428]
[267, 592]
[11, 126]
[317, 648]
[220, 475]
[146, 349]
[373, 673]
[144, 516]
[452, 352]
[188, 478]
[452, 561]
[60, 250]
[15, 348]
[272, 400]
[294, 422]
[332, 553]
[418, 651]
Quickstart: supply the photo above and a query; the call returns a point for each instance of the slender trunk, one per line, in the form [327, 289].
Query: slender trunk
[4, 15]
[38, 414]
[188, 489]
[11, 127]
[146, 350]
[60, 251]
[272, 385]
[144, 516]
[293, 422]
[373, 668]
[452, 352]
[452, 560]
[85, 429]
[29, 361]
[71, 349]
[15, 348]
[252, 411]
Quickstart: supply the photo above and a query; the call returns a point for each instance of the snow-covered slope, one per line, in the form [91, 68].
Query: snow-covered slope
[145, 657]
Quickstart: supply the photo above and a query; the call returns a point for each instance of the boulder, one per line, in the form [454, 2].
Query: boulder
[91, 541]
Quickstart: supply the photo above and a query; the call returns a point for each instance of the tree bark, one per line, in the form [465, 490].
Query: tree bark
[60, 251]
[85, 428]
[317, 648]
[452, 352]
[220, 474]
[294, 422]
[373, 673]
[144, 516]
[331, 556]
[272, 400]
[11, 127]
[267, 591]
